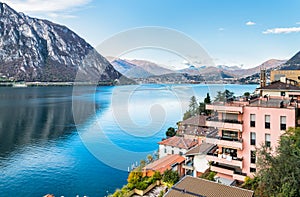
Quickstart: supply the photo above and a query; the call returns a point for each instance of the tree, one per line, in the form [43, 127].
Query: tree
[193, 106]
[171, 177]
[247, 94]
[187, 115]
[170, 132]
[207, 100]
[201, 108]
[157, 176]
[134, 177]
[142, 163]
[228, 94]
[149, 158]
[223, 96]
[279, 173]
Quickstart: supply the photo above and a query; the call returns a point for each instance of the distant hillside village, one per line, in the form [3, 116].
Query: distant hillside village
[214, 150]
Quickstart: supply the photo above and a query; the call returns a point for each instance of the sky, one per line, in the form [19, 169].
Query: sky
[232, 32]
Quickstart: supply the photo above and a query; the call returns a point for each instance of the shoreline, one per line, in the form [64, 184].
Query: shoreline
[44, 84]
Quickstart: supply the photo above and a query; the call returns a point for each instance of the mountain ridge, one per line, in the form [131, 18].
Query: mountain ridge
[34, 49]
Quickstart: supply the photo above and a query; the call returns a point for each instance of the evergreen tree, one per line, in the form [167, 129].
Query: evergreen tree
[187, 115]
[223, 96]
[207, 99]
[193, 106]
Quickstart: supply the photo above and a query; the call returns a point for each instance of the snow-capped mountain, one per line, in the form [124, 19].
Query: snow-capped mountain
[32, 49]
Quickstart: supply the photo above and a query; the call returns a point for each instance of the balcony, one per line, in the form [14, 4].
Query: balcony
[222, 170]
[227, 142]
[237, 175]
[226, 124]
[225, 108]
[188, 165]
[225, 159]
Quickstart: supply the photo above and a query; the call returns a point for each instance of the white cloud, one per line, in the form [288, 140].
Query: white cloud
[185, 62]
[221, 29]
[250, 23]
[45, 6]
[298, 23]
[282, 30]
[57, 15]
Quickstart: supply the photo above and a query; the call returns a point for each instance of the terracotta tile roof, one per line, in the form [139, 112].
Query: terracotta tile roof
[278, 85]
[203, 148]
[179, 142]
[164, 163]
[191, 187]
[198, 120]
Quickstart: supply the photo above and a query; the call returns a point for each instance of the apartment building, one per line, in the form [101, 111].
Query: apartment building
[244, 125]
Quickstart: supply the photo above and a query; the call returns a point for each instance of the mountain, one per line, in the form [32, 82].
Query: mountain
[151, 67]
[253, 74]
[292, 64]
[191, 70]
[228, 68]
[269, 64]
[130, 70]
[138, 68]
[32, 49]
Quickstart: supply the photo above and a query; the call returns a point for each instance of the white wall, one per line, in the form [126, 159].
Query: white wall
[169, 150]
[200, 164]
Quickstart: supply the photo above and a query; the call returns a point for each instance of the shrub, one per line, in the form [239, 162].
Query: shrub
[130, 186]
[134, 177]
[157, 176]
[171, 177]
[210, 175]
[161, 194]
[141, 185]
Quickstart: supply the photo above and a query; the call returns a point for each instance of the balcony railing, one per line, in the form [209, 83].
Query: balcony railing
[225, 159]
[225, 107]
[188, 166]
[224, 120]
[237, 175]
[231, 142]
[225, 123]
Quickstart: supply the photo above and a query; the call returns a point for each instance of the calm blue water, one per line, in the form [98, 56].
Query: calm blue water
[56, 140]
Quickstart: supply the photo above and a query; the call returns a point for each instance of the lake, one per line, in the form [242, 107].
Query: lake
[81, 141]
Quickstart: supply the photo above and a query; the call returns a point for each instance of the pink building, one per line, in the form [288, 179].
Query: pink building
[242, 126]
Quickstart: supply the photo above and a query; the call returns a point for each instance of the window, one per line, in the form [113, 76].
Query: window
[252, 138]
[252, 120]
[283, 123]
[165, 150]
[172, 152]
[267, 122]
[229, 117]
[232, 135]
[229, 151]
[180, 153]
[282, 93]
[268, 140]
[253, 170]
[253, 156]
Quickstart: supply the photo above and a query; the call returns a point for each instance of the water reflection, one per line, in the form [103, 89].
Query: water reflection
[34, 114]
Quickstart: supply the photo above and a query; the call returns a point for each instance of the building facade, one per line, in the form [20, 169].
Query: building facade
[242, 127]
[176, 145]
[290, 74]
